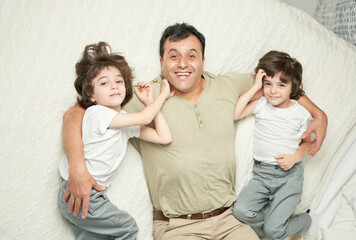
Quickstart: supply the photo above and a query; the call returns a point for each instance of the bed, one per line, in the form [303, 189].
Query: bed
[42, 40]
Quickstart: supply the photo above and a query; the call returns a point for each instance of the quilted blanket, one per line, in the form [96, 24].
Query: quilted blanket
[42, 40]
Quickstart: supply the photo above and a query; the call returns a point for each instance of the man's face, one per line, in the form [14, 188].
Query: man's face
[182, 64]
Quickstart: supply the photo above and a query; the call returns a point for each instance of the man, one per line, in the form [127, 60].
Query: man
[192, 180]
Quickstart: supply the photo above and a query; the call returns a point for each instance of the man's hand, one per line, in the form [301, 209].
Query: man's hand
[78, 191]
[318, 127]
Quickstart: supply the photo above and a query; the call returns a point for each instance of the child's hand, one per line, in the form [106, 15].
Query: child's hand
[259, 77]
[146, 93]
[166, 90]
[287, 161]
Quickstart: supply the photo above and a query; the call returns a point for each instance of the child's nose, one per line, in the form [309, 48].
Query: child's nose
[273, 89]
[114, 85]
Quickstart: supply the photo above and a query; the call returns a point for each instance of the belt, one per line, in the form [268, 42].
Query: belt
[158, 215]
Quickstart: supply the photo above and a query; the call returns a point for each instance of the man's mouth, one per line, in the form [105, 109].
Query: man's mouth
[182, 74]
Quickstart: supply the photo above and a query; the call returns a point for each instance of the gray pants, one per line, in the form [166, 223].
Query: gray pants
[104, 219]
[283, 191]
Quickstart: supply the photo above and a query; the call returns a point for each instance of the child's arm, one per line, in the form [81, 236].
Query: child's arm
[147, 114]
[287, 161]
[244, 105]
[161, 134]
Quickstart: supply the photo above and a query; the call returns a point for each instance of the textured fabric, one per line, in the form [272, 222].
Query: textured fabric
[196, 172]
[283, 191]
[224, 226]
[104, 219]
[339, 16]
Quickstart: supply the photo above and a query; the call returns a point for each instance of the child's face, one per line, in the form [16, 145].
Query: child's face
[109, 88]
[276, 92]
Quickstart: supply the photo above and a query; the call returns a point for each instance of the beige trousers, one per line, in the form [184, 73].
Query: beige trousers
[224, 226]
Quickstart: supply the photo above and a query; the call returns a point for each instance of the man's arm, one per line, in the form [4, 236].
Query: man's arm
[80, 182]
[318, 126]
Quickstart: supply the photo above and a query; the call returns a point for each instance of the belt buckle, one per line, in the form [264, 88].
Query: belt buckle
[189, 216]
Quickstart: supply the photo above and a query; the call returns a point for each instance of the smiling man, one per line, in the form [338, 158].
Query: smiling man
[192, 180]
[182, 64]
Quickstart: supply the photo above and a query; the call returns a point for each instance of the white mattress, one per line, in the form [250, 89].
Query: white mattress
[337, 209]
[42, 40]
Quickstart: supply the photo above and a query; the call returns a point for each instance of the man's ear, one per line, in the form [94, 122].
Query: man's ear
[161, 62]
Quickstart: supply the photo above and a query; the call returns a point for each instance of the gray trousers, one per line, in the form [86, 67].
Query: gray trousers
[283, 191]
[104, 219]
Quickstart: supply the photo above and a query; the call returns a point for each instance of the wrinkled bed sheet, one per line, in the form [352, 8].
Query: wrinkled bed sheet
[42, 40]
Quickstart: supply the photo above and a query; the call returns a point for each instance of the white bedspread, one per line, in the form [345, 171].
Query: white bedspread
[337, 210]
[42, 40]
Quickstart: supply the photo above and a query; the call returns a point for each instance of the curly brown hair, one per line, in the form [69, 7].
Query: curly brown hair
[291, 70]
[95, 58]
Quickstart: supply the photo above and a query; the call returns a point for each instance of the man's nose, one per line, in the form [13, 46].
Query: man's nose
[182, 63]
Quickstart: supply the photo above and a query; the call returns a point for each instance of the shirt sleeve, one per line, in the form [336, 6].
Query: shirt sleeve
[133, 131]
[241, 82]
[306, 120]
[96, 121]
[260, 104]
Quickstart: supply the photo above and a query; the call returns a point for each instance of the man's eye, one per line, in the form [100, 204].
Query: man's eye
[173, 56]
[191, 56]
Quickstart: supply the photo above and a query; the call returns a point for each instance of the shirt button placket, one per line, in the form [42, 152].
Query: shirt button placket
[198, 115]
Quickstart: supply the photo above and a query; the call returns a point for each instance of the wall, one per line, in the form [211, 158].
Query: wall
[308, 6]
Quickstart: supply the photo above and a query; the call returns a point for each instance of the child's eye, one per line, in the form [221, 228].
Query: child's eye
[282, 85]
[119, 81]
[103, 83]
[267, 84]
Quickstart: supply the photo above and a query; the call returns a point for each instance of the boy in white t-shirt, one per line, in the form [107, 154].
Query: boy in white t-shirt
[104, 85]
[278, 149]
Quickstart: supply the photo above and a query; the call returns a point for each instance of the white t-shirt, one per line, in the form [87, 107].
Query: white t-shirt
[104, 148]
[278, 130]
